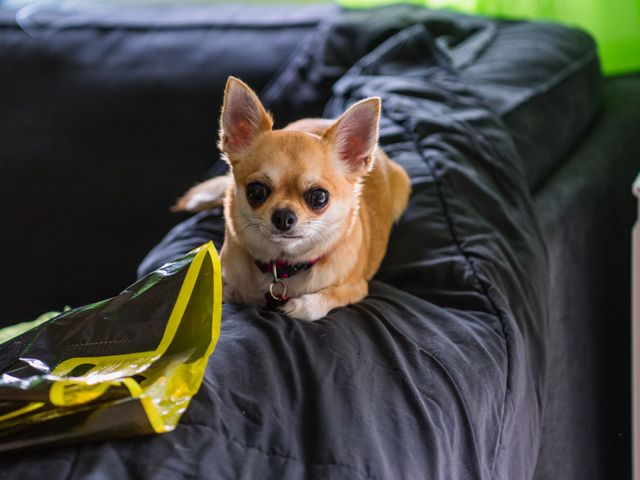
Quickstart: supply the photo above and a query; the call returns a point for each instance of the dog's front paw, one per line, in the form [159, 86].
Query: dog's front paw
[307, 307]
[230, 295]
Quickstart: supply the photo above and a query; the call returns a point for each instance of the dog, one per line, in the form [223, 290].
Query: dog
[308, 209]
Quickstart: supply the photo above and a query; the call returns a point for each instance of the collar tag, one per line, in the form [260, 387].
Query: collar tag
[276, 300]
[276, 297]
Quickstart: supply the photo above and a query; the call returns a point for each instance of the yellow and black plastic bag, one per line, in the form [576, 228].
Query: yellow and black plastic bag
[125, 366]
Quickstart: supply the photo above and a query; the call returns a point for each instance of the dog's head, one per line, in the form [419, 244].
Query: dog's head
[296, 192]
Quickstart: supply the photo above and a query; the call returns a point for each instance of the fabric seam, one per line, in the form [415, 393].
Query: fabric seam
[483, 290]
[57, 25]
[483, 287]
[438, 182]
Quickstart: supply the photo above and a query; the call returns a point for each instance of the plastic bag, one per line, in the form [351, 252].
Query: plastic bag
[125, 366]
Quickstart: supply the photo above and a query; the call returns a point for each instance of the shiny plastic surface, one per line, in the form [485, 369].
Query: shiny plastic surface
[125, 366]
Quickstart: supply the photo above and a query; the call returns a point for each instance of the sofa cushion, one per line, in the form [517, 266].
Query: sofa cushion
[542, 78]
[438, 373]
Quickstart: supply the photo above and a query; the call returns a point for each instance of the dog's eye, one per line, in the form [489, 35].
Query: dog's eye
[317, 198]
[257, 193]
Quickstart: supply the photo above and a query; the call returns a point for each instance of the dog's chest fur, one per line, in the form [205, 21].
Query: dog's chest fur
[244, 282]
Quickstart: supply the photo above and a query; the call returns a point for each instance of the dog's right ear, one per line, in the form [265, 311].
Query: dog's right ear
[243, 118]
[354, 135]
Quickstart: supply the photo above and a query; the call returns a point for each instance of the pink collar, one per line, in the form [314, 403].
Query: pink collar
[285, 269]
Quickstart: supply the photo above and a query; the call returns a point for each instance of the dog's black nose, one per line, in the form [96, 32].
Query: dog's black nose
[284, 219]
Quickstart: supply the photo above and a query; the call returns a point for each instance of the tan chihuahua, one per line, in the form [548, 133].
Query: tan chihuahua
[308, 209]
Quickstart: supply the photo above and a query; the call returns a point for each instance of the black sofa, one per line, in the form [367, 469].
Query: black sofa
[107, 118]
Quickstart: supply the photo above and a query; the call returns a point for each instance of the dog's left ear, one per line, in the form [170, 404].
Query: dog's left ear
[243, 118]
[355, 134]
